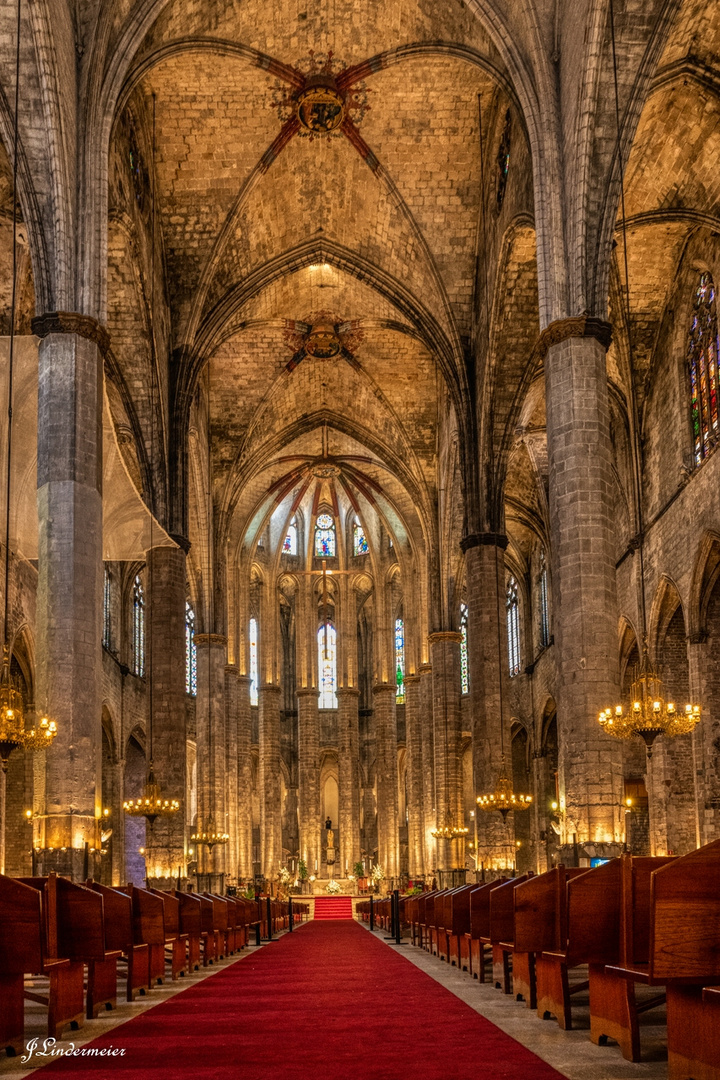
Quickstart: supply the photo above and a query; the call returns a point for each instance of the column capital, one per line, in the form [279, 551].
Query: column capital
[71, 322]
[244, 679]
[347, 691]
[446, 635]
[231, 669]
[576, 326]
[382, 688]
[210, 639]
[270, 688]
[307, 691]
[410, 679]
[425, 669]
[485, 539]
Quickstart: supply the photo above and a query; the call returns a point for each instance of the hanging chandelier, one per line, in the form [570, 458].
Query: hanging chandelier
[448, 831]
[647, 713]
[151, 805]
[12, 713]
[211, 837]
[503, 798]
[40, 737]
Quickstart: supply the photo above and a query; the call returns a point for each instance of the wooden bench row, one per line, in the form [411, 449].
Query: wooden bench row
[634, 921]
[77, 936]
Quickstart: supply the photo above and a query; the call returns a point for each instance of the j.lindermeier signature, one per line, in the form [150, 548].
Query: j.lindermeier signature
[50, 1048]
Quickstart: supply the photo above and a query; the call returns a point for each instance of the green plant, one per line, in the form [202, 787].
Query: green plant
[249, 893]
[359, 870]
[302, 870]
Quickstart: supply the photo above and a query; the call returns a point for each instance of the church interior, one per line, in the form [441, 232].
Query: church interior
[360, 534]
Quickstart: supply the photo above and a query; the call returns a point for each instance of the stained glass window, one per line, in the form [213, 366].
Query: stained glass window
[107, 610]
[464, 672]
[399, 661]
[327, 666]
[138, 639]
[360, 544]
[544, 612]
[290, 546]
[190, 652]
[324, 536]
[703, 368]
[513, 626]
[503, 159]
[253, 662]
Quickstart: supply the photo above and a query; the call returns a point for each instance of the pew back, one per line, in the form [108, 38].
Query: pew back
[502, 911]
[117, 908]
[21, 940]
[685, 895]
[541, 910]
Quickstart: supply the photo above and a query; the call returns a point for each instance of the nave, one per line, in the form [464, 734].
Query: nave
[328, 1000]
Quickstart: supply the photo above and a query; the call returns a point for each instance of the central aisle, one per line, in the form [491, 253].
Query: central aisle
[328, 1002]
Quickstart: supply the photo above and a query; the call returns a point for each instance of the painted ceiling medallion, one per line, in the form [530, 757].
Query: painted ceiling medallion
[322, 472]
[322, 342]
[320, 105]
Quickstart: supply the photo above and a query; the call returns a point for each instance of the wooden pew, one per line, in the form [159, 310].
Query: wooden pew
[426, 901]
[149, 928]
[458, 924]
[219, 923]
[480, 926]
[120, 936]
[175, 941]
[190, 915]
[505, 960]
[81, 937]
[685, 950]
[608, 928]
[541, 931]
[65, 999]
[21, 953]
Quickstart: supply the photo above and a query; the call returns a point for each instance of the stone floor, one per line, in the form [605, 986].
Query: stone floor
[570, 1052]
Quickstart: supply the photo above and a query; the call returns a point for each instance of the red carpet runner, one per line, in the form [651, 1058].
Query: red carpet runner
[328, 1002]
[333, 907]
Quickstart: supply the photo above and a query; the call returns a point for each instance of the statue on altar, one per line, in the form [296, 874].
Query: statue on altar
[329, 843]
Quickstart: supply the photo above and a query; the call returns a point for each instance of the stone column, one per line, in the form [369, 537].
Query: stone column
[165, 635]
[445, 658]
[309, 814]
[231, 769]
[584, 590]
[348, 778]
[244, 759]
[428, 757]
[387, 778]
[487, 666]
[413, 741]
[70, 578]
[211, 751]
[269, 697]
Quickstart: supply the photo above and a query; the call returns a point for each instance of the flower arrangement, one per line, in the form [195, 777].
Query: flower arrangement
[378, 874]
[333, 887]
[302, 870]
[284, 875]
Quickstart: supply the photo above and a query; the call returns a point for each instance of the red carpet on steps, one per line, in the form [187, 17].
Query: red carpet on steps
[333, 907]
[328, 1002]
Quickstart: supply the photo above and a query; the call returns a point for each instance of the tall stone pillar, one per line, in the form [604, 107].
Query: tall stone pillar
[488, 675]
[69, 597]
[413, 741]
[445, 659]
[165, 636]
[348, 778]
[387, 778]
[309, 802]
[428, 776]
[231, 769]
[269, 697]
[211, 751]
[584, 590]
[244, 758]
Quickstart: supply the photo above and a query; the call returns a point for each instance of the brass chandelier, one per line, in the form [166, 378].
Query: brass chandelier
[647, 713]
[448, 831]
[151, 804]
[211, 837]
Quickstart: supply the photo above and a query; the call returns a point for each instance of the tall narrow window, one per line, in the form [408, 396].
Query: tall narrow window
[290, 545]
[464, 672]
[325, 546]
[138, 639]
[703, 368]
[513, 626]
[544, 611]
[360, 544]
[190, 652]
[107, 609]
[327, 666]
[253, 662]
[503, 159]
[399, 661]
